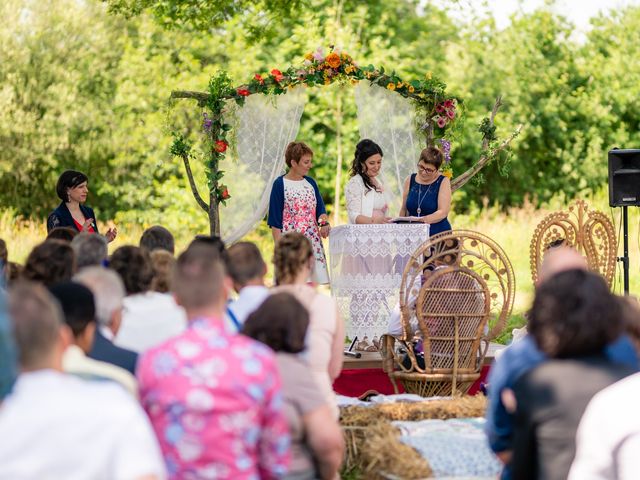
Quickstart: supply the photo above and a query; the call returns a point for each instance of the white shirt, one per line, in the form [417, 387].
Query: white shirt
[149, 319]
[54, 426]
[248, 301]
[76, 362]
[608, 438]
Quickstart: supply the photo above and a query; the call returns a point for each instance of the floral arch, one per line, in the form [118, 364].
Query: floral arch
[260, 121]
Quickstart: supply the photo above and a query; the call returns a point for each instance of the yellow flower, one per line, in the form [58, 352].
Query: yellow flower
[447, 173]
[309, 56]
[399, 85]
[411, 89]
[327, 81]
[354, 81]
[391, 86]
[428, 75]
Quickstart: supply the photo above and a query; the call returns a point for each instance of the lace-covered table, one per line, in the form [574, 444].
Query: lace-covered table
[367, 262]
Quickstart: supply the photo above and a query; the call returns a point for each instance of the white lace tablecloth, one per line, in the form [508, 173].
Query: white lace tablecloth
[367, 262]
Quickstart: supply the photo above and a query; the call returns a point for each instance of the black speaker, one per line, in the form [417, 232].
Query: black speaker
[624, 178]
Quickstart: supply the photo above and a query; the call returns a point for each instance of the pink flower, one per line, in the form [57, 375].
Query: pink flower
[441, 121]
[277, 75]
[439, 108]
[449, 104]
[451, 114]
[318, 55]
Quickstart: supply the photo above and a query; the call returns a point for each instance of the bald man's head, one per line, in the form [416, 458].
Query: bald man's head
[558, 260]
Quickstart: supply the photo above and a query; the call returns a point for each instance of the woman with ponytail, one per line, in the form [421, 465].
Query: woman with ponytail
[365, 196]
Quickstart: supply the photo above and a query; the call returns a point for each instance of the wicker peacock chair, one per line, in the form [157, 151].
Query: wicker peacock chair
[457, 293]
[588, 231]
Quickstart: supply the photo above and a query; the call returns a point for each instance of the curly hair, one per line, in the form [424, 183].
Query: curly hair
[295, 151]
[134, 267]
[292, 251]
[281, 323]
[432, 155]
[574, 314]
[50, 262]
[364, 149]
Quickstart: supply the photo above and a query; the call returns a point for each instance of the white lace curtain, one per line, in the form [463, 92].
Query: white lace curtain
[264, 127]
[388, 119]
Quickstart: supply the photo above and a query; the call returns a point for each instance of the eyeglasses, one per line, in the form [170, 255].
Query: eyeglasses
[426, 170]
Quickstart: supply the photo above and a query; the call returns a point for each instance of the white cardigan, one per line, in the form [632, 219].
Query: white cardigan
[359, 199]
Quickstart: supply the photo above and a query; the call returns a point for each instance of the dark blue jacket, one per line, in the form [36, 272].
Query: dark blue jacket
[104, 350]
[276, 201]
[61, 217]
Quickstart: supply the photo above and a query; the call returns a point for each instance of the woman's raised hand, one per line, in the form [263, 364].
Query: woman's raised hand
[111, 234]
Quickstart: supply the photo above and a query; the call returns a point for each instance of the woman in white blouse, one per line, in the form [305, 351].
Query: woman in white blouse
[365, 196]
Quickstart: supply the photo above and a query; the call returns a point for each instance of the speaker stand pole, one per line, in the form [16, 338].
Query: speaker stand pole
[625, 257]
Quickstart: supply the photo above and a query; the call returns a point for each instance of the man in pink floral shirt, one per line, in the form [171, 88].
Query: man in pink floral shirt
[214, 399]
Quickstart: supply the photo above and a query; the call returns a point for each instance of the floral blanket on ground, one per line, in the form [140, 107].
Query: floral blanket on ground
[454, 448]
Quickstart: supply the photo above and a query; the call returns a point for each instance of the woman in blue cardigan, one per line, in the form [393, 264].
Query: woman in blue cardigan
[296, 205]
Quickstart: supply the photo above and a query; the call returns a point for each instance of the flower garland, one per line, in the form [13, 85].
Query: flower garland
[317, 69]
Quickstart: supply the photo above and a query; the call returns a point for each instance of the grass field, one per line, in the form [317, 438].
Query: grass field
[511, 229]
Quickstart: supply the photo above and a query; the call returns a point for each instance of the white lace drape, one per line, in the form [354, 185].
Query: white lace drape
[265, 125]
[367, 262]
[389, 120]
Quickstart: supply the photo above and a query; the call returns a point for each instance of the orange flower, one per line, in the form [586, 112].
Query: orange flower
[243, 92]
[259, 78]
[277, 75]
[224, 192]
[333, 59]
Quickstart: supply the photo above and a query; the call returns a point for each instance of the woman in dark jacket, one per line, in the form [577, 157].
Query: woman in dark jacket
[72, 189]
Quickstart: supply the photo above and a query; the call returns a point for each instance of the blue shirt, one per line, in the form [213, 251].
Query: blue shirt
[8, 354]
[517, 360]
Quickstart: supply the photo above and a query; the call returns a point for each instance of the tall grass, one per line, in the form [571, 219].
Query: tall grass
[512, 230]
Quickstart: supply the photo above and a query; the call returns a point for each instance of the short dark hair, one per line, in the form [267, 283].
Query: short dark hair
[69, 179]
[281, 323]
[295, 151]
[157, 237]
[244, 262]
[36, 319]
[66, 234]
[77, 304]
[432, 155]
[198, 276]
[50, 262]
[213, 242]
[574, 314]
[134, 267]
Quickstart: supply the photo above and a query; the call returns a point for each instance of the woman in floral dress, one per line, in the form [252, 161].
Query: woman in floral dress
[296, 205]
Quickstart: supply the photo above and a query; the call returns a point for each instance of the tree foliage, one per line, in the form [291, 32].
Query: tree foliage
[81, 88]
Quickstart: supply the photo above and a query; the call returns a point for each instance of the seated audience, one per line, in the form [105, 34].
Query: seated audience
[8, 367]
[214, 398]
[293, 261]
[149, 318]
[79, 314]
[50, 262]
[62, 427]
[13, 272]
[524, 355]
[247, 269]
[162, 263]
[157, 238]
[317, 444]
[574, 317]
[108, 294]
[90, 249]
[66, 234]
